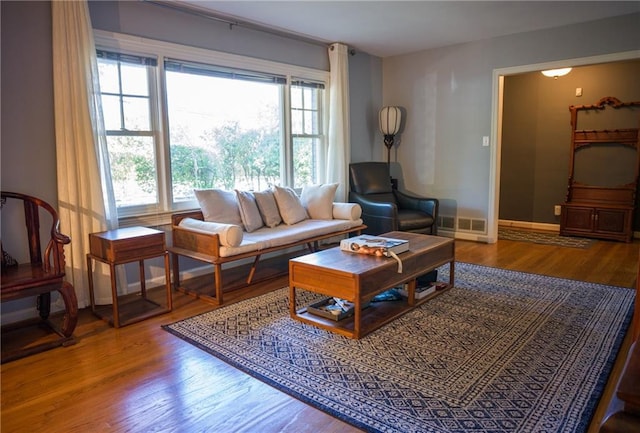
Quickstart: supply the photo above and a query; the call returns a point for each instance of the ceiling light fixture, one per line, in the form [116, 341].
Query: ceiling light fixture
[555, 73]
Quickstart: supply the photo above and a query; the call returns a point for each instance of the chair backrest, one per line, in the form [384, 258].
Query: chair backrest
[53, 258]
[370, 178]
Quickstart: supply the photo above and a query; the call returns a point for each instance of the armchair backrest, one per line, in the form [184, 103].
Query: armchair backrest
[53, 258]
[370, 178]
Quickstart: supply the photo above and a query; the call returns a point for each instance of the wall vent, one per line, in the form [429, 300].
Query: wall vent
[474, 225]
[447, 223]
[478, 225]
[463, 224]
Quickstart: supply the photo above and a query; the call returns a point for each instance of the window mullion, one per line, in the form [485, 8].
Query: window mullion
[287, 139]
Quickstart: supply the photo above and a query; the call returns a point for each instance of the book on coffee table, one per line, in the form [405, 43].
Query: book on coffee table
[374, 245]
[421, 291]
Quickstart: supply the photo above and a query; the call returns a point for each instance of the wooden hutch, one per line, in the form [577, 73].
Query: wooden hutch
[604, 165]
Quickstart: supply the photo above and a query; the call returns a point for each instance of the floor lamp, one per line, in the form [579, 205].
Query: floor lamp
[389, 120]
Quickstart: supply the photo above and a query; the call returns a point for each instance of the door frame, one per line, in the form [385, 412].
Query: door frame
[497, 95]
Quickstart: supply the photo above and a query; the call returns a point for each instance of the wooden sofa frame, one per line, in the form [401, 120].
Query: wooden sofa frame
[206, 248]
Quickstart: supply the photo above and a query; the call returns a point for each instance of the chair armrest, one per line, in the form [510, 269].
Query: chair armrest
[424, 204]
[372, 207]
[379, 217]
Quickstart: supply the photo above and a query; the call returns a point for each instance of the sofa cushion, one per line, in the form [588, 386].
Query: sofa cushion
[268, 208]
[318, 200]
[219, 206]
[291, 209]
[286, 234]
[249, 211]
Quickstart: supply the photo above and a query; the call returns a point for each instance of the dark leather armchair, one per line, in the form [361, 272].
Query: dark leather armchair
[385, 209]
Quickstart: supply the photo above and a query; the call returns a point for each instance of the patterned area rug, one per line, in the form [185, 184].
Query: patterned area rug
[501, 352]
[543, 238]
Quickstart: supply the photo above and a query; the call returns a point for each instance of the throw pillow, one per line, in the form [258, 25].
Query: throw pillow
[289, 205]
[318, 200]
[249, 211]
[268, 208]
[219, 206]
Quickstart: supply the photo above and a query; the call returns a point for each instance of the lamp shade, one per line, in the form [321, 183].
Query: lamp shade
[390, 120]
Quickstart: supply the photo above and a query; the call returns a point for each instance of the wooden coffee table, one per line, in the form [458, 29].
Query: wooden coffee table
[358, 278]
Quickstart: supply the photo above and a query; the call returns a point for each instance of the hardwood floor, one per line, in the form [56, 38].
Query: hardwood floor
[139, 378]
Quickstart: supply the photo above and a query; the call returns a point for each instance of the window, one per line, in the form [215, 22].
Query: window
[225, 128]
[306, 131]
[180, 119]
[126, 94]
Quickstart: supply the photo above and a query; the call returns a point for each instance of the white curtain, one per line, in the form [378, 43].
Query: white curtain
[339, 146]
[86, 202]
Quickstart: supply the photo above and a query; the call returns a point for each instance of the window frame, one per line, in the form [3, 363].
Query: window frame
[161, 51]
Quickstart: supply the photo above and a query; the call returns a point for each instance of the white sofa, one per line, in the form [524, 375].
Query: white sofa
[215, 235]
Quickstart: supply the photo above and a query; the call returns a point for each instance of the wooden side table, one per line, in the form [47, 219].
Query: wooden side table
[120, 246]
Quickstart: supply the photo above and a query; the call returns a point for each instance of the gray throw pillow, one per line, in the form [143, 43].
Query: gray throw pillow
[291, 209]
[268, 208]
[249, 211]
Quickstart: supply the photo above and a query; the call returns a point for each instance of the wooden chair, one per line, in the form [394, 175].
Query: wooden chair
[41, 276]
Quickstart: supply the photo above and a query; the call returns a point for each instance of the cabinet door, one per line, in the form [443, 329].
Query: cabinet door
[577, 218]
[611, 220]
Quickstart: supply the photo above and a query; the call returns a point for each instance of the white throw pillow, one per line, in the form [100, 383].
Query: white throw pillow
[249, 211]
[318, 200]
[289, 205]
[219, 206]
[268, 208]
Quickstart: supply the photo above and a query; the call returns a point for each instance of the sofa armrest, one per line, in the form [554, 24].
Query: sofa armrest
[176, 218]
[230, 235]
[347, 211]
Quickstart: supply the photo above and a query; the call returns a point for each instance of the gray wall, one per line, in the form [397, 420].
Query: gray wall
[170, 25]
[537, 132]
[447, 93]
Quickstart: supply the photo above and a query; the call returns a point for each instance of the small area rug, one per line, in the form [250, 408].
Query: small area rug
[503, 351]
[511, 234]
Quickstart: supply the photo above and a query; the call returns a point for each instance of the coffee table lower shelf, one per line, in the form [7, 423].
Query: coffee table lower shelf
[376, 315]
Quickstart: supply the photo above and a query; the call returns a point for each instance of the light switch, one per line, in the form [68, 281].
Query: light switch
[578, 91]
[485, 141]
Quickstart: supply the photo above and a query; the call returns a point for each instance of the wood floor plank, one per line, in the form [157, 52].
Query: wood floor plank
[139, 378]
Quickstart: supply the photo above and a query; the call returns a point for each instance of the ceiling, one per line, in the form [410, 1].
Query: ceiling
[389, 28]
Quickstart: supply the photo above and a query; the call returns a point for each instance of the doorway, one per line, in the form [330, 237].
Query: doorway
[498, 90]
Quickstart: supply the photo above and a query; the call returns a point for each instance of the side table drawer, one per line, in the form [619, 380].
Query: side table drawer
[128, 243]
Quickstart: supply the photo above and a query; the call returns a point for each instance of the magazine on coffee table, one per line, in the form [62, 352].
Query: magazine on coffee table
[378, 246]
[374, 245]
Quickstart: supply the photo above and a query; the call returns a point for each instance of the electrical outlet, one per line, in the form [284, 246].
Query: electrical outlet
[557, 210]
